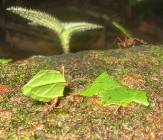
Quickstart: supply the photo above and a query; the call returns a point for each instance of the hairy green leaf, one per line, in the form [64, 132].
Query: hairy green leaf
[38, 18]
[45, 85]
[63, 30]
[111, 92]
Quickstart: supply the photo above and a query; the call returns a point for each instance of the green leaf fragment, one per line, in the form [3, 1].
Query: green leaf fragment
[45, 85]
[102, 83]
[5, 61]
[123, 30]
[123, 96]
[111, 92]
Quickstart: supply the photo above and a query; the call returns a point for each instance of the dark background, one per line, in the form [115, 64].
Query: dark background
[18, 40]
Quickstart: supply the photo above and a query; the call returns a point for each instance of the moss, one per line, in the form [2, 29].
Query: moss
[17, 137]
[75, 118]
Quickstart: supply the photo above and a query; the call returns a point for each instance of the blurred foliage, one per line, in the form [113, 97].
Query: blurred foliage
[134, 2]
[5, 61]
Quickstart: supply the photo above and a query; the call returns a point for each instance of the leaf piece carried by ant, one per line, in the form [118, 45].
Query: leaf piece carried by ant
[45, 86]
[111, 92]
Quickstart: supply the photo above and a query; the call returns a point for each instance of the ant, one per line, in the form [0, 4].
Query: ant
[126, 42]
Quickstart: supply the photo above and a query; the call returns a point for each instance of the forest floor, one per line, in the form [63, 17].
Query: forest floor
[75, 117]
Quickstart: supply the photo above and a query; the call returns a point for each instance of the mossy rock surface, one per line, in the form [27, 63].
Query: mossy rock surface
[84, 118]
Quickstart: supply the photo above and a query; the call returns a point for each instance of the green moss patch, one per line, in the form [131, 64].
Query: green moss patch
[84, 118]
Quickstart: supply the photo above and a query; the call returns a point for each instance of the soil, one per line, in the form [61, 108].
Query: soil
[77, 117]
